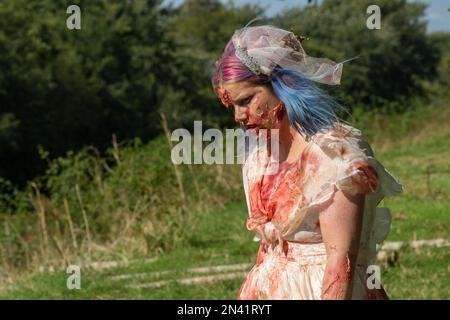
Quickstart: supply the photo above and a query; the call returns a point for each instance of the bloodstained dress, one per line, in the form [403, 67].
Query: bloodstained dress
[285, 200]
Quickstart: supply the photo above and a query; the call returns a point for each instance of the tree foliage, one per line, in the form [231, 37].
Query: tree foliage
[391, 60]
[64, 89]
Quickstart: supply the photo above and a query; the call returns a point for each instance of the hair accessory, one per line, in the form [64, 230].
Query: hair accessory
[248, 60]
[262, 48]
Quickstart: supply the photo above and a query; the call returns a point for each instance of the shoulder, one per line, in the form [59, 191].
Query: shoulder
[343, 142]
[345, 157]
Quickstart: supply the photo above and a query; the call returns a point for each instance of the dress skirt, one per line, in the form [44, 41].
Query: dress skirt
[294, 271]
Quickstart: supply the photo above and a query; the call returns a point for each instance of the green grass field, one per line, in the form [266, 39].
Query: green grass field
[220, 238]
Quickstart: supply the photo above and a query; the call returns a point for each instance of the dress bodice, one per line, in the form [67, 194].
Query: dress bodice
[285, 199]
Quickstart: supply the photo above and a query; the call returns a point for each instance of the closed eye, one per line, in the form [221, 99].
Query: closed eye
[245, 102]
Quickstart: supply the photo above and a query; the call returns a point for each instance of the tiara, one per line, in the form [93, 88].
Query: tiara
[242, 54]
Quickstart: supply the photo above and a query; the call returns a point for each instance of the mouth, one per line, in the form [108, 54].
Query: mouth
[251, 126]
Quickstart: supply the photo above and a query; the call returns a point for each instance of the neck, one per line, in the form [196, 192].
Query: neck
[290, 139]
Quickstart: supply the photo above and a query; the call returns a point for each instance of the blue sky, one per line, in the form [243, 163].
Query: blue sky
[437, 13]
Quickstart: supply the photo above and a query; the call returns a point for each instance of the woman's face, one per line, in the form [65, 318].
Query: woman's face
[255, 106]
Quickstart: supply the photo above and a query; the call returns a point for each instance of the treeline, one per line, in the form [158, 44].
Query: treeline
[63, 89]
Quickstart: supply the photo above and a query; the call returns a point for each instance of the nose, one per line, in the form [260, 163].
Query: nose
[240, 114]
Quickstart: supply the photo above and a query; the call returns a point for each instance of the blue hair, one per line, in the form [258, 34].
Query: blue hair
[309, 108]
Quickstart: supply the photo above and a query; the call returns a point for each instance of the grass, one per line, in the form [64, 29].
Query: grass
[219, 238]
[422, 212]
[420, 274]
[418, 157]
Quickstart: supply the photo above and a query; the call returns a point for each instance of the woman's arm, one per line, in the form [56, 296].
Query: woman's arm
[341, 226]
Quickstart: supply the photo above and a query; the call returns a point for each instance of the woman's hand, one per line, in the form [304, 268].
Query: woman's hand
[341, 226]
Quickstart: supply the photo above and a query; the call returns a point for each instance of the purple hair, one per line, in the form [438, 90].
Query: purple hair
[309, 108]
[230, 69]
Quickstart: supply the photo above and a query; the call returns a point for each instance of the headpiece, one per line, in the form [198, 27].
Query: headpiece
[262, 48]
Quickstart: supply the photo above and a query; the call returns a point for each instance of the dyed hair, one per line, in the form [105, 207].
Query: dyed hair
[309, 108]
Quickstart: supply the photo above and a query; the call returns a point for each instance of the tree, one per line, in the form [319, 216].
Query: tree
[391, 60]
[63, 89]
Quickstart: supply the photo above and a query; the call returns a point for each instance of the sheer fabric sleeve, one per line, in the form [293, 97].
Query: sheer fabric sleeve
[348, 164]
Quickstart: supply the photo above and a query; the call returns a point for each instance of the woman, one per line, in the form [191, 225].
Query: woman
[316, 215]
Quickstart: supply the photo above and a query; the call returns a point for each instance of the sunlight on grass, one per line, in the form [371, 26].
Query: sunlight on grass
[218, 236]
